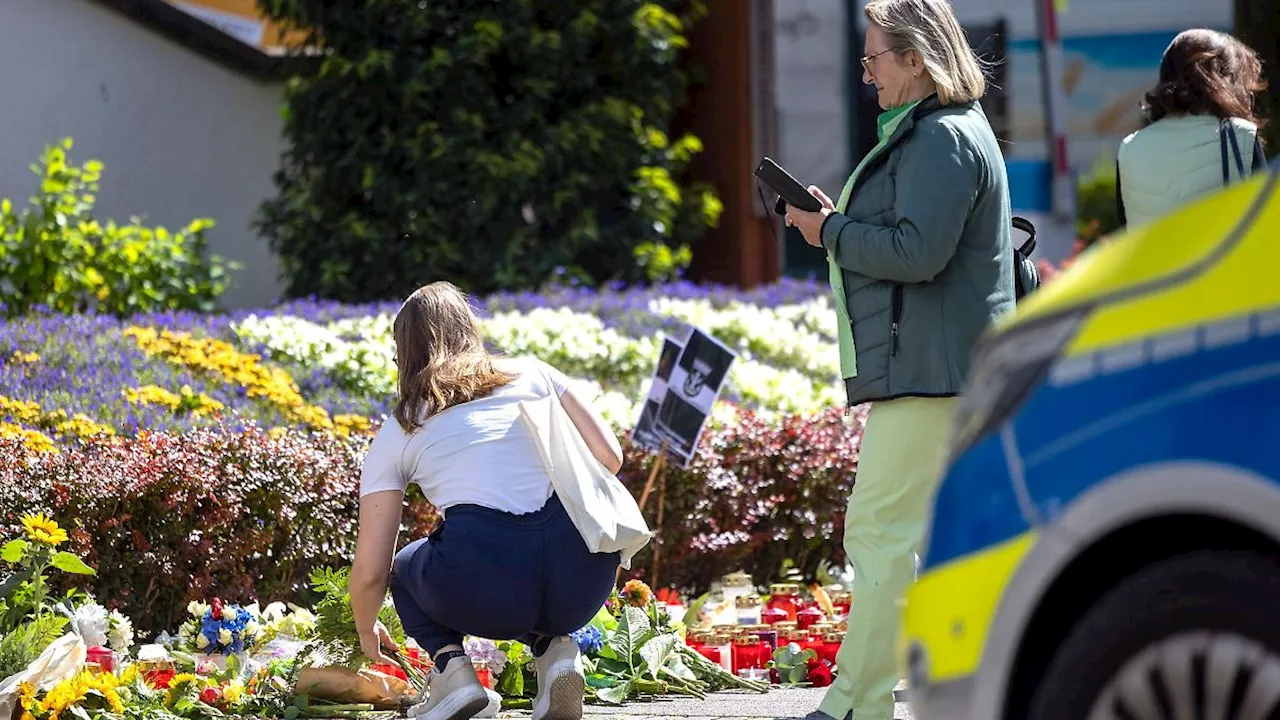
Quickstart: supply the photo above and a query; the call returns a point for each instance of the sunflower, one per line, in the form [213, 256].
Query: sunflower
[44, 530]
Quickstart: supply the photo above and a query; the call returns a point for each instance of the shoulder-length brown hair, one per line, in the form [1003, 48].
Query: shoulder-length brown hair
[440, 354]
[1206, 72]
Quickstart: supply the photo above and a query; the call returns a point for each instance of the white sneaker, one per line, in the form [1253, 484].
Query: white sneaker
[455, 694]
[561, 682]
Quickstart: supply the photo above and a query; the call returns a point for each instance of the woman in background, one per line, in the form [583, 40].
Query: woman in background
[1202, 130]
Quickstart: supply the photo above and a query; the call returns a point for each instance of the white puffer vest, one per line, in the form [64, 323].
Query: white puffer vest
[1176, 160]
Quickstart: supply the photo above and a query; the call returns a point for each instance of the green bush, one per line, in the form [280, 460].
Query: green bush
[56, 254]
[1096, 211]
[498, 144]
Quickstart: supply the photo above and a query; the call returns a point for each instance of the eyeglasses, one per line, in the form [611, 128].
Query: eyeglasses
[866, 59]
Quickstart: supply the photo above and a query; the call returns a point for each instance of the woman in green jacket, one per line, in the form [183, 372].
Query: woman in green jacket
[921, 262]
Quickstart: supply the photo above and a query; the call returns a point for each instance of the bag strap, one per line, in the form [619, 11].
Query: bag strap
[1023, 224]
[1259, 155]
[1222, 145]
[1235, 150]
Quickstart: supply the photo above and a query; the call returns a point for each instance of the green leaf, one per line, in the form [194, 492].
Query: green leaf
[798, 674]
[600, 682]
[656, 653]
[68, 563]
[14, 581]
[14, 550]
[615, 695]
[691, 615]
[676, 667]
[511, 684]
[633, 632]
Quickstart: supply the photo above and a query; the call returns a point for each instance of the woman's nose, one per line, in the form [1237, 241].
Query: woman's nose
[867, 78]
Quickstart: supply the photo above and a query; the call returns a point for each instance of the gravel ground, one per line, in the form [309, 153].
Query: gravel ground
[777, 704]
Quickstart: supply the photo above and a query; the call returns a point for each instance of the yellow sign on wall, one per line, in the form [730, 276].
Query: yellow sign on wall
[242, 20]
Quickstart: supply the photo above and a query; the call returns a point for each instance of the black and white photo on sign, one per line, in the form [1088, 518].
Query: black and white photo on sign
[700, 372]
[646, 433]
[692, 390]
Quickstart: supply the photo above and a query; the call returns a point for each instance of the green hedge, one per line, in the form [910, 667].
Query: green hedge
[499, 144]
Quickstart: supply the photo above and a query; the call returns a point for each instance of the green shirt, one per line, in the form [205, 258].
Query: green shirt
[885, 125]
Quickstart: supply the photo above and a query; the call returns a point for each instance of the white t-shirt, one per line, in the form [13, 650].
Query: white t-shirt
[478, 453]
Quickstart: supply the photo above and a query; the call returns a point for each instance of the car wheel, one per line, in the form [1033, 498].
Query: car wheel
[1194, 636]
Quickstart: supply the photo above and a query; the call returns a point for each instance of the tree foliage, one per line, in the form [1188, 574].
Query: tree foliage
[495, 143]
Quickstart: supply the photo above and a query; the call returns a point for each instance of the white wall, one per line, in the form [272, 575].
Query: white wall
[813, 128]
[181, 136]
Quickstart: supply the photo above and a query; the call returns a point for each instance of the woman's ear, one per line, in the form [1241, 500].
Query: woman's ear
[915, 63]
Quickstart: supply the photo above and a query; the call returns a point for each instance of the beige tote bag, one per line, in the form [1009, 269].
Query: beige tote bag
[601, 507]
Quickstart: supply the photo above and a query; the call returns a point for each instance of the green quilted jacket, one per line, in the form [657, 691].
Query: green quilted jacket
[925, 252]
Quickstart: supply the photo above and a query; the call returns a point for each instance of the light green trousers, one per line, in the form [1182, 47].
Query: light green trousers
[898, 466]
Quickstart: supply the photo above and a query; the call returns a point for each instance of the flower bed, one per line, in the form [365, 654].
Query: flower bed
[191, 454]
[328, 366]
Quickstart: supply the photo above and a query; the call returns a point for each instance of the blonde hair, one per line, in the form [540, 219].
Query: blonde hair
[930, 28]
[440, 354]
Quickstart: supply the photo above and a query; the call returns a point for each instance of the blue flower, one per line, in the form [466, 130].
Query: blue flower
[589, 639]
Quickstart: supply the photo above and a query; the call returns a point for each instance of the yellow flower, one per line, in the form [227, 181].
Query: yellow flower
[32, 439]
[44, 530]
[222, 360]
[233, 692]
[26, 695]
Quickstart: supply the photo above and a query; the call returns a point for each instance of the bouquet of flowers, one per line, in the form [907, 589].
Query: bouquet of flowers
[218, 628]
[101, 628]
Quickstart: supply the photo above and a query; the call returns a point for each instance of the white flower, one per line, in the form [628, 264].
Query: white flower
[252, 628]
[300, 623]
[202, 641]
[253, 610]
[224, 637]
[120, 635]
[197, 609]
[274, 612]
[90, 622]
[228, 613]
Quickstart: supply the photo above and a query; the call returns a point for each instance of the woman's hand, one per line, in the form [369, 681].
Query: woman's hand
[810, 223]
[374, 639]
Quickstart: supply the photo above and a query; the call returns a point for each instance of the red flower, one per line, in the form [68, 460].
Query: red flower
[819, 673]
[216, 607]
[210, 695]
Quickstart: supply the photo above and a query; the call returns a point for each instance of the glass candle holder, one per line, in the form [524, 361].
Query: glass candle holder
[722, 643]
[808, 616]
[831, 646]
[746, 653]
[749, 609]
[768, 636]
[842, 601]
[102, 658]
[785, 597]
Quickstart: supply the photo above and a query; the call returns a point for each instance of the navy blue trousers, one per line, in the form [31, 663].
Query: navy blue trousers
[499, 576]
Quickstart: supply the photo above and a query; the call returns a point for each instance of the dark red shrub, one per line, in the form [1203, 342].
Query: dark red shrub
[757, 494]
[245, 515]
[167, 519]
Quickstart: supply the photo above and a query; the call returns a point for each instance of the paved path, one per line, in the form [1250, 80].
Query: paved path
[777, 704]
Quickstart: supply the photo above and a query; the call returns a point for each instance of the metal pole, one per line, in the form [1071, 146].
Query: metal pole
[1064, 194]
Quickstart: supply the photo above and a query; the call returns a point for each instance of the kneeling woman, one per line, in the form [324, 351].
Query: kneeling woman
[506, 563]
